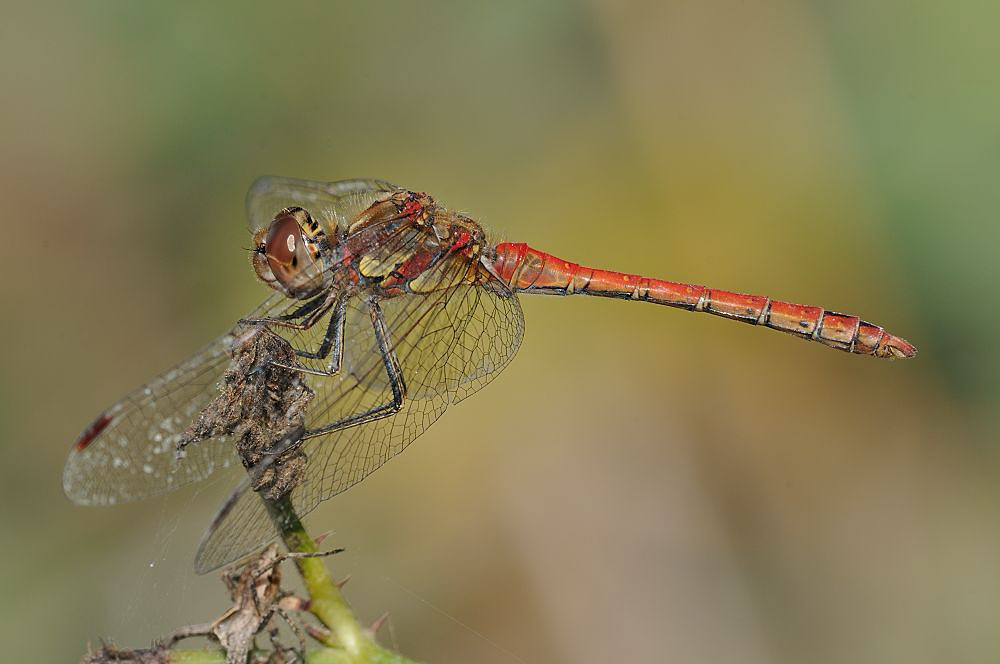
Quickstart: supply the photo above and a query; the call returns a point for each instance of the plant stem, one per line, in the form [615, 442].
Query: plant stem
[350, 642]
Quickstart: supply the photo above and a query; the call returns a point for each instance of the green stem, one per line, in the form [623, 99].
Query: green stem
[325, 600]
[351, 643]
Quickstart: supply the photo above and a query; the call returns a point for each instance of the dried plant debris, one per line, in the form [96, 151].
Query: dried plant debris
[109, 653]
[255, 589]
[261, 407]
[261, 404]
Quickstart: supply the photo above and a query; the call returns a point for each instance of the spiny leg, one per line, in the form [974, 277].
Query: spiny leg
[333, 340]
[315, 309]
[305, 309]
[393, 371]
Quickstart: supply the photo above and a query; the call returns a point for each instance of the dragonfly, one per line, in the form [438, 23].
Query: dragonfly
[393, 308]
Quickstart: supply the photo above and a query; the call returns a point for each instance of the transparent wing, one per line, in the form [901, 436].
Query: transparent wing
[241, 527]
[332, 204]
[130, 451]
[449, 343]
[494, 327]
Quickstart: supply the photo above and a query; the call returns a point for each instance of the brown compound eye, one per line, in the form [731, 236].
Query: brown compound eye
[285, 259]
[282, 243]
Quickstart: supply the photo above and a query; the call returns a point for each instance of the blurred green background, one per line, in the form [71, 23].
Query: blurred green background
[640, 483]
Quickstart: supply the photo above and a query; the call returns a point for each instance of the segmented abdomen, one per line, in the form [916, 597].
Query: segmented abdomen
[528, 270]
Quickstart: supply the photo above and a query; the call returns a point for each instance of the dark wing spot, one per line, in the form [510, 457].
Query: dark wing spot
[92, 432]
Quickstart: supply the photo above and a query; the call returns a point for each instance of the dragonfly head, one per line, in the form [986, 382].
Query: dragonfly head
[287, 254]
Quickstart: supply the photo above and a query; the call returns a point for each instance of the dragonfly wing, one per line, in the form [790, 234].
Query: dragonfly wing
[241, 527]
[332, 204]
[448, 343]
[490, 336]
[130, 451]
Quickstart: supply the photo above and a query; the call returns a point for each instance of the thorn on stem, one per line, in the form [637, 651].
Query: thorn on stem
[318, 632]
[379, 622]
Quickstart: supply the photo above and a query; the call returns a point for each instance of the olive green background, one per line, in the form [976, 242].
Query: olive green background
[640, 484]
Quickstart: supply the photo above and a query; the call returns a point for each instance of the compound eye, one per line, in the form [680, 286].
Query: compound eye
[285, 259]
[282, 243]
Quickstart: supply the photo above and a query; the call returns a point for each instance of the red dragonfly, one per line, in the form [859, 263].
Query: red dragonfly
[396, 308]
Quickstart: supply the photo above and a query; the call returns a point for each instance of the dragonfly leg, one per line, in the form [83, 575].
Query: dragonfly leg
[305, 309]
[333, 341]
[313, 310]
[396, 382]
